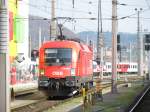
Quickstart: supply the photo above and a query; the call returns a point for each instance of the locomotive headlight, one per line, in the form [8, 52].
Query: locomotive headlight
[42, 72]
[72, 71]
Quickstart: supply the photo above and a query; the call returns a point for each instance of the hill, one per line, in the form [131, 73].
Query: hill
[125, 38]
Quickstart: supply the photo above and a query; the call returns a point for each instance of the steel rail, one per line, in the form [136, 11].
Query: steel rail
[139, 100]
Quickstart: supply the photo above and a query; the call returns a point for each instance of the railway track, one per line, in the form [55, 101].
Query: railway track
[142, 104]
[38, 103]
[31, 103]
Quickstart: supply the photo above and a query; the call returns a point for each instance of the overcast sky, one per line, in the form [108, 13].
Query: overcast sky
[88, 9]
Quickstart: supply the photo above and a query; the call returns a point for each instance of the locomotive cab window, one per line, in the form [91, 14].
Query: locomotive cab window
[58, 56]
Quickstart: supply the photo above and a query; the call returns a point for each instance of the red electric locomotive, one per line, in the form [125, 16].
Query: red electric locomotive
[65, 66]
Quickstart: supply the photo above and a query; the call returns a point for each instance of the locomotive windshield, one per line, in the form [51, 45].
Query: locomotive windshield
[58, 56]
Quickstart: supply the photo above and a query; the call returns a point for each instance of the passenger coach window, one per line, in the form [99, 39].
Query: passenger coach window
[58, 56]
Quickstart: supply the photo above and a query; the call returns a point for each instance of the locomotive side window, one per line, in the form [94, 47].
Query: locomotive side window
[58, 56]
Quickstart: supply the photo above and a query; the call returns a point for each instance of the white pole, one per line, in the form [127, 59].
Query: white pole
[114, 46]
[4, 59]
[130, 52]
[139, 45]
[40, 34]
[87, 39]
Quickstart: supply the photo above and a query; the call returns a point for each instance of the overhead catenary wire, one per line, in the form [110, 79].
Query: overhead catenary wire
[39, 8]
[32, 5]
[120, 18]
[81, 11]
[128, 16]
[62, 18]
[139, 17]
[62, 9]
[45, 9]
[75, 10]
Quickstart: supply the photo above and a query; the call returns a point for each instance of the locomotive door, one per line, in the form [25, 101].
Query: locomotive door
[84, 64]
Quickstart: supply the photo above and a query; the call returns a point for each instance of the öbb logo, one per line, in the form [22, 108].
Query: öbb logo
[57, 73]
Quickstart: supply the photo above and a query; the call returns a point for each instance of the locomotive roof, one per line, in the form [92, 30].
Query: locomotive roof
[66, 44]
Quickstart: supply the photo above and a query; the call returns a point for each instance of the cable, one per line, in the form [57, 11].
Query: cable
[39, 8]
[132, 14]
[77, 11]
[33, 19]
[69, 9]
[34, 6]
[140, 18]
[63, 18]
[128, 5]
[82, 18]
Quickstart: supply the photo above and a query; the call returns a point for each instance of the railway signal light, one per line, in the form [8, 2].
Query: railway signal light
[118, 43]
[147, 38]
[147, 42]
